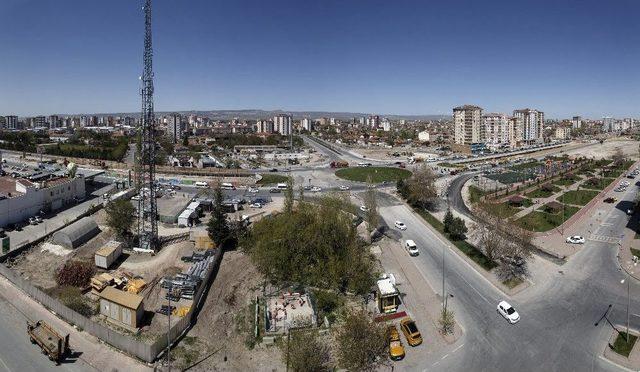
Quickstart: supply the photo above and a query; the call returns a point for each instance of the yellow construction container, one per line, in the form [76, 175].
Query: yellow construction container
[182, 311]
[204, 242]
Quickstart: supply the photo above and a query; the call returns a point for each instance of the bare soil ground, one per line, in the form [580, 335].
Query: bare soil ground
[220, 332]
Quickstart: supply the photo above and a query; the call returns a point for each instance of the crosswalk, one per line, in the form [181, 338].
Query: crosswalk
[604, 238]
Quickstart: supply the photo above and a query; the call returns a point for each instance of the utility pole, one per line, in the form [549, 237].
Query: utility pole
[628, 297]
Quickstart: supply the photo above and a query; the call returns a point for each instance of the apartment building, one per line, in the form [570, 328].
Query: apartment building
[467, 123]
[282, 124]
[496, 129]
[531, 121]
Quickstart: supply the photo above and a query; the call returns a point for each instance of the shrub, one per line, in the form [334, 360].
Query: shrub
[75, 273]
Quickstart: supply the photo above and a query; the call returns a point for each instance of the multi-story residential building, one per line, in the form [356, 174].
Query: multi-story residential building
[608, 124]
[563, 132]
[373, 121]
[11, 122]
[496, 129]
[264, 126]
[514, 130]
[467, 123]
[386, 125]
[532, 122]
[129, 121]
[38, 122]
[54, 121]
[306, 124]
[424, 136]
[3, 122]
[176, 127]
[576, 122]
[282, 124]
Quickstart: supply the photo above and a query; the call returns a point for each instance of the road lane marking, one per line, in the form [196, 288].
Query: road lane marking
[458, 348]
[5, 365]
[445, 356]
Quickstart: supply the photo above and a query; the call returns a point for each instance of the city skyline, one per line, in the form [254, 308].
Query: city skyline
[402, 59]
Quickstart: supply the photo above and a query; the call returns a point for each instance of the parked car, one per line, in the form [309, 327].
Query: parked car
[307, 187]
[273, 170]
[411, 247]
[396, 350]
[274, 190]
[253, 190]
[256, 205]
[576, 239]
[610, 200]
[400, 225]
[629, 212]
[410, 330]
[364, 208]
[316, 189]
[33, 221]
[344, 188]
[508, 312]
[38, 219]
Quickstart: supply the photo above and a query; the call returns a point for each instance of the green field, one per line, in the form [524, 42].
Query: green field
[597, 184]
[272, 179]
[475, 194]
[377, 174]
[577, 197]
[510, 177]
[621, 346]
[504, 209]
[539, 221]
[540, 193]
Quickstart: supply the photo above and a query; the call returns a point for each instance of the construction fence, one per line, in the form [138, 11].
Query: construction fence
[139, 349]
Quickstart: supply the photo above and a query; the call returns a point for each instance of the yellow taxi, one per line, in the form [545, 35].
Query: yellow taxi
[410, 330]
[396, 350]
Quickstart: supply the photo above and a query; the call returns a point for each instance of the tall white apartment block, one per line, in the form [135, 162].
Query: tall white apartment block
[496, 129]
[264, 126]
[282, 124]
[467, 123]
[306, 124]
[532, 122]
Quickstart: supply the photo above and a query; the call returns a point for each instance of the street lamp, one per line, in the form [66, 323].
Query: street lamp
[628, 296]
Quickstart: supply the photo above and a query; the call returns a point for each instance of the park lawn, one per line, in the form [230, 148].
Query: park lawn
[577, 197]
[465, 247]
[377, 174]
[540, 193]
[450, 165]
[538, 221]
[600, 185]
[501, 210]
[527, 165]
[475, 194]
[510, 177]
[565, 181]
[272, 179]
[621, 346]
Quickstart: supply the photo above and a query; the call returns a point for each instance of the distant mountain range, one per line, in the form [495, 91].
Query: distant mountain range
[264, 114]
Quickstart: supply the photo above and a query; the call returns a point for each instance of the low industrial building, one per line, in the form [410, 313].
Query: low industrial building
[170, 208]
[108, 254]
[122, 308]
[21, 198]
[77, 233]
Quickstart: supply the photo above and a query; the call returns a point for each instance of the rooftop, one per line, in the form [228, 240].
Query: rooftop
[126, 299]
[467, 107]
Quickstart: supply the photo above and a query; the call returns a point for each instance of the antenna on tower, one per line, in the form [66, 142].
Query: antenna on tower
[146, 154]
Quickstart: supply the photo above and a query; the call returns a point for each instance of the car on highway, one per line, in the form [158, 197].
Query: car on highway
[274, 190]
[396, 350]
[400, 225]
[410, 330]
[576, 239]
[345, 188]
[364, 208]
[307, 187]
[316, 189]
[256, 205]
[273, 170]
[411, 247]
[508, 312]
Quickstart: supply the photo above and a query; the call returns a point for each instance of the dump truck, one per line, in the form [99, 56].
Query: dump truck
[54, 345]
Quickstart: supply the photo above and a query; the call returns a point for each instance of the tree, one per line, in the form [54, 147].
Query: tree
[421, 187]
[75, 273]
[361, 343]
[618, 157]
[120, 217]
[185, 140]
[515, 250]
[288, 195]
[446, 321]
[218, 226]
[371, 203]
[315, 245]
[457, 229]
[448, 220]
[306, 352]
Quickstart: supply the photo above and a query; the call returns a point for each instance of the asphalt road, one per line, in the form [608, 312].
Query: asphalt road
[18, 354]
[558, 311]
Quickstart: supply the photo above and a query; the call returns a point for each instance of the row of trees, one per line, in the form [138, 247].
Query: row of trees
[420, 189]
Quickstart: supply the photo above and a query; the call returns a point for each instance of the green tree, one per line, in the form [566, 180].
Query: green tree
[446, 321]
[185, 140]
[306, 352]
[288, 195]
[120, 217]
[448, 220]
[421, 187]
[457, 229]
[218, 226]
[361, 343]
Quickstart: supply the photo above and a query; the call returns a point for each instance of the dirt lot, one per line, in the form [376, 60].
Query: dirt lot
[222, 324]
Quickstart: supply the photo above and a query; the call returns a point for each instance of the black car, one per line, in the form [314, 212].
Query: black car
[273, 170]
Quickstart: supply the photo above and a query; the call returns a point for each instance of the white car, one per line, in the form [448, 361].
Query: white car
[256, 205]
[508, 312]
[576, 239]
[253, 190]
[411, 247]
[364, 208]
[344, 188]
[316, 189]
[400, 225]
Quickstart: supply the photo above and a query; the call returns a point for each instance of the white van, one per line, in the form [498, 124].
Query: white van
[281, 186]
[411, 247]
[201, 185]
[227, 186]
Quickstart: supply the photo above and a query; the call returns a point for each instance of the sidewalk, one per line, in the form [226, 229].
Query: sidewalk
[95, 353]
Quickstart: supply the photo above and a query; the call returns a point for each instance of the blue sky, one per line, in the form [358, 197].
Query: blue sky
[398, 57]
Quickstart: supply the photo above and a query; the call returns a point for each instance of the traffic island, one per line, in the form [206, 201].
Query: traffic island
[621, 352]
